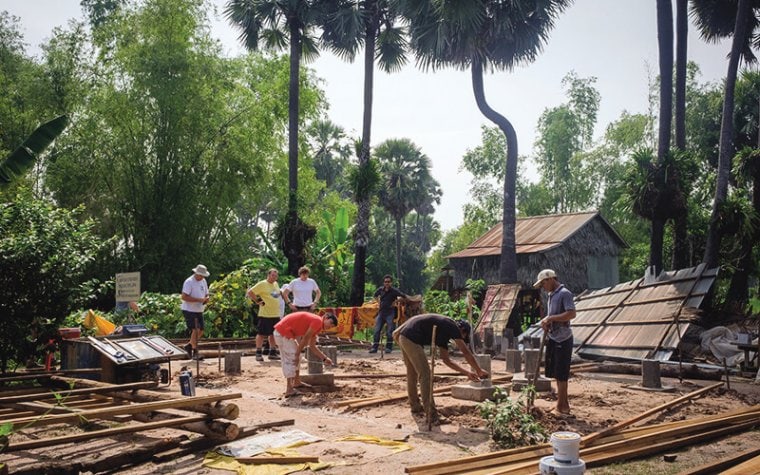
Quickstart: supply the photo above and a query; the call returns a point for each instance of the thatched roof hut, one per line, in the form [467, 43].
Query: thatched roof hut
[582, 248]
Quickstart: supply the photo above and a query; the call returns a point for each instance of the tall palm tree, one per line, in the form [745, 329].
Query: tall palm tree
[372, 23]
[406, 184]
[281, 24]
[720, 19]
[485, 34]
[331, 150]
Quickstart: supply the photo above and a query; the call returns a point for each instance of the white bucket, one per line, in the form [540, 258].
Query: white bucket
[549, 466]
[567, 446]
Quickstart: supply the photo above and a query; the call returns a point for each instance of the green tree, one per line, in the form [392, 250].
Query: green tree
[281, 24]
[349, 24]
[331, 152]
[738, 20]
[45, 253]
[406, 184]
[482, 34]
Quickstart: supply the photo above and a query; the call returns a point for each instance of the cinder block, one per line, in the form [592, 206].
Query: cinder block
[331, 352]
[324, 379]
[514, 361]
[543, 385]
[532, 363]
[473, 392]
[232, 362]
[650, 374]
[484, 361]
[315, 363]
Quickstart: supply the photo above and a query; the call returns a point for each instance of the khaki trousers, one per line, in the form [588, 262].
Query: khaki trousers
[417, 371]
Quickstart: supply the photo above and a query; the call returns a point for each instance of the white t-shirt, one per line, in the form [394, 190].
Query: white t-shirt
[302, 291]
[197, 289]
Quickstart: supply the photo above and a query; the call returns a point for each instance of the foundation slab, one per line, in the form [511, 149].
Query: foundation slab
[473, 392]
[543, 385]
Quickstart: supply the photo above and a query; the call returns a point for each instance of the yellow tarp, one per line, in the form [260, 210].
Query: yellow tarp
[395, 445]
[224, 462]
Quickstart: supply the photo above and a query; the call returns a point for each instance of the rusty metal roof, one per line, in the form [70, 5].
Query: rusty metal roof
[498, 303]
[533, 234]
[641, 319]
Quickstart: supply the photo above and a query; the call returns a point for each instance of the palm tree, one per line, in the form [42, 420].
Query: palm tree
[279, 24]
[406, 184]
[331, 151]
[720, 19]
[479, 34]
[349, 24]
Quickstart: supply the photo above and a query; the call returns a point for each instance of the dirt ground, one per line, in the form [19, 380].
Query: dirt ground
[598, 401]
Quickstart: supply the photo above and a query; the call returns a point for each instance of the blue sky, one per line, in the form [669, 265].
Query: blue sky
[614, 41]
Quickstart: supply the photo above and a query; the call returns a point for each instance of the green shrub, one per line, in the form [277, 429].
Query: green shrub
[509, 421]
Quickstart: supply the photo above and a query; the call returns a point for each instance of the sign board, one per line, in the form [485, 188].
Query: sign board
[128, 287]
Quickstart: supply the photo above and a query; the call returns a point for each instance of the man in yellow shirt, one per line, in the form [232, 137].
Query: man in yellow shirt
[266, 294]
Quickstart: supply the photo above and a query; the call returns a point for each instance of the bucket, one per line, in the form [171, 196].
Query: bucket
[567, 446]
[549, 466]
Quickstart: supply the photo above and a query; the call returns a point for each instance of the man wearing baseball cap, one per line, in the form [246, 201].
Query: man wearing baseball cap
[194, 299]
[556, 325]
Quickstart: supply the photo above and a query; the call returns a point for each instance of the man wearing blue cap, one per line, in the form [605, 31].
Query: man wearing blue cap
[417, 332]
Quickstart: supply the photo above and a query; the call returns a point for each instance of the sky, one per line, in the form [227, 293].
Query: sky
[614, 41]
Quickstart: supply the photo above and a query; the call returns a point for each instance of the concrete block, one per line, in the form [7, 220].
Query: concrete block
[324, 379]
[315, 363]
[650, 374]
[543, 385]
[532, 363]
[484, 361]
[473, 392]
[331, 352]
[514, 361]
[232, 362]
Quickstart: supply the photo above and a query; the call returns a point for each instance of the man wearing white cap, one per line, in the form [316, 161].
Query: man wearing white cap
[560, 309]
[194, 299]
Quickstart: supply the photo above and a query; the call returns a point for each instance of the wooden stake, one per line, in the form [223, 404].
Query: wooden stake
[725, 368]
[432, 374]
[277, 460]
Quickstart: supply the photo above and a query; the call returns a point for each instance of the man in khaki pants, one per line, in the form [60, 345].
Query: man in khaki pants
[417, 332]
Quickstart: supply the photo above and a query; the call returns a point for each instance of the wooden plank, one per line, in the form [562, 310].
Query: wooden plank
[277, 460]
[722, 464]
[591, 437]
[120, 410]
[750, 466]
[71, 392]
[71, 438]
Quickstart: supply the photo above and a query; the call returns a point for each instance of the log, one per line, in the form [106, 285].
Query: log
[217, 430]
[98, 464]
[65, 393]
[218, 410]
[277, 460]
[690, 371]
[95, 434]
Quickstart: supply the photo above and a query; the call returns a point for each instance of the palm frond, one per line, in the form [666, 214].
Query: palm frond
[24, 157]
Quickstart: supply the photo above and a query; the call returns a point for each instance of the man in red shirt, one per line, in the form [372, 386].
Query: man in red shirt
[292, 334]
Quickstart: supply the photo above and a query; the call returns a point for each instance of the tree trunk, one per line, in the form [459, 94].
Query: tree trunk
[398, 252]
[681, 258]
[363, 202]
[712, 247]
[508, 263]
[294, 252]
[665, 49]
[681, 245]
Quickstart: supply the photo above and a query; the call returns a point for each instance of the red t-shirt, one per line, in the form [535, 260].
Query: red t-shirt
[298, 323]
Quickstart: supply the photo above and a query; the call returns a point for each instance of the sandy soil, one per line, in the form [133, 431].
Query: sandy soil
[598, 400]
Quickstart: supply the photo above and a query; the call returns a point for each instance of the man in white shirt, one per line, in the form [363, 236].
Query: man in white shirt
[305, 292]
[194, 298]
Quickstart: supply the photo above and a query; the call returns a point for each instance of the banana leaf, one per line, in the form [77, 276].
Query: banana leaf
[22, 159]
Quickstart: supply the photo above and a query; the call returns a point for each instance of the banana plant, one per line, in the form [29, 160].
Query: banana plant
[23, 158]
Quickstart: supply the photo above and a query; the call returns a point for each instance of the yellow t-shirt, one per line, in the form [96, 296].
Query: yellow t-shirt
[270, 294]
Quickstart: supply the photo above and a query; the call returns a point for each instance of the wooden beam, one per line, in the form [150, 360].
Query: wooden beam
[71, 392]
[750, 466]
[71, 438]
[718, 466]
[112, 411]
[591, 437]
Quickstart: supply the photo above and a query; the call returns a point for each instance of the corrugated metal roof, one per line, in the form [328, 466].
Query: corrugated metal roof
[636, 320]
[532, 234]
[497, 306]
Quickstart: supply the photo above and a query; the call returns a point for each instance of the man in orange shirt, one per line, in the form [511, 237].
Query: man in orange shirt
[292, 334]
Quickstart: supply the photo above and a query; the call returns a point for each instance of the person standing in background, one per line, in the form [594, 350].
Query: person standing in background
[305, 292]
[194, 298]
[386, 296]
[266, 294]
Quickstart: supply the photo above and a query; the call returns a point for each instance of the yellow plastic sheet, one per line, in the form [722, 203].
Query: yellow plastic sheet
[394, 445]
[223, 462]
